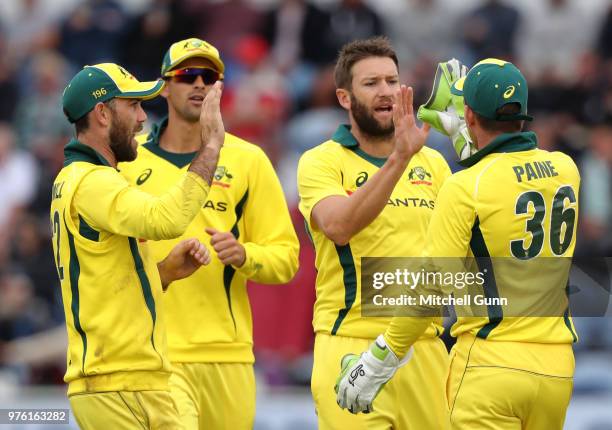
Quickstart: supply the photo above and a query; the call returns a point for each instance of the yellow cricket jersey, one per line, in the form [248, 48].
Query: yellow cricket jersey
[110, 283]
[208, 314]
[339, 167]
[519, 202]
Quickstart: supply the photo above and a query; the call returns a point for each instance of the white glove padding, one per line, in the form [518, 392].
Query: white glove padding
[362, 377]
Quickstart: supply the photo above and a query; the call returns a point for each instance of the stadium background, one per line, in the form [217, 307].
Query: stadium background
[280, 95]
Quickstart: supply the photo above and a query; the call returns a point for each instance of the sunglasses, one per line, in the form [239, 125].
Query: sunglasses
[190, 74]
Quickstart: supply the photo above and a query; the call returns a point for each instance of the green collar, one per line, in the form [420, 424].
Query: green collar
[76, 151]
[180, 160]
[345, 138]
[507, 142]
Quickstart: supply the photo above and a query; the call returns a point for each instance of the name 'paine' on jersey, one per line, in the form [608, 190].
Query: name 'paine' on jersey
[208, 314]
[519, 205]
[339, 167]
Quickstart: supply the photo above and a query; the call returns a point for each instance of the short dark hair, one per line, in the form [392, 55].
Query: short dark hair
[351, 53]
[82, 124]
[495, 126]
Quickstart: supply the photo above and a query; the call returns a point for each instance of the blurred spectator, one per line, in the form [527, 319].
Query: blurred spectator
[149, 35]
[18, 176]
[297, 30]
[93, 23]
[21, 313]
[32, 29]
[256, 104]
[604, 39]
[422, 28]
[224, 23]
[8, 85]
[547, 50]
[32, 254]
[596, 193]
[490, 31]
[40, 119]
[350, 20]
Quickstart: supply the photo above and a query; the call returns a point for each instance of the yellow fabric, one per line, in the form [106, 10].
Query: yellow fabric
[208, 314]
[214, 395]
[399, 231]
[509, 385]
[126, 410]
[127, 83]
[413, 399]
[110, 284]
[471, 201]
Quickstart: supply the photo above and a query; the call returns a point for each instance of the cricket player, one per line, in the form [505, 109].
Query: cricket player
[514, 201]
[370, 191]
[112, 285]
[247, 222]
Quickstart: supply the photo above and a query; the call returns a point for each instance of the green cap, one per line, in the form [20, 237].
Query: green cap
[189, 48]
[102, 82]
[491, 84]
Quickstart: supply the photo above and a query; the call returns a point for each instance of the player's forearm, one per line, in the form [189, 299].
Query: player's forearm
[403, 332]
[205, 162]
[272, 263]
[351, 215]
[169, 215]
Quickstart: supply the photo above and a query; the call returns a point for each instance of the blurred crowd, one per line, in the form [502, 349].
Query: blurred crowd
[279, 94]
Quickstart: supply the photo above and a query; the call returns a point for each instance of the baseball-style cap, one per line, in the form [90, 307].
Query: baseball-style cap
[188, 48]
[491, 84]
[102, 82]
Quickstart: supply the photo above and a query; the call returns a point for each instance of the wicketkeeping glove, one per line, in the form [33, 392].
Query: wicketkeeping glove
[363, 376]
[444, 111]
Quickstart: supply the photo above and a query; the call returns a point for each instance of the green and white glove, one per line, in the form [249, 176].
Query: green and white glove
[363, 376]
[444, 110]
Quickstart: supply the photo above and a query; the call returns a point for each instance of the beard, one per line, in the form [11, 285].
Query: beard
[367, 123]
[121, 139]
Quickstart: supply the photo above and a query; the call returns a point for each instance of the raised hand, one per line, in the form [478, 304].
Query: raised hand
[213, 130]
[409, 138]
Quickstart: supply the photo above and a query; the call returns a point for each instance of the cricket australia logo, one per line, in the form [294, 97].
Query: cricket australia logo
[195, 44]
[419, 176]
[222, 176]
[356, 373]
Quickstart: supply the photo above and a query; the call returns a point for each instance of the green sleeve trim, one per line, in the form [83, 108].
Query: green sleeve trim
[87, 231]
[75, 273]
[145, 285]
[566, 316]
[483, 260]
[229, 271]
[347, 262]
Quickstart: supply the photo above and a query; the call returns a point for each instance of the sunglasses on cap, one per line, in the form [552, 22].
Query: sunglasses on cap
[188, 75]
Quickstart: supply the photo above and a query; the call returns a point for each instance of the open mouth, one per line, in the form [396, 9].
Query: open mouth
[196, 98]
[384, 108]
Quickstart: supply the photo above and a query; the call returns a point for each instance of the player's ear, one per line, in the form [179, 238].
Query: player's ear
[470, 117]
[101, 114]
[344, 98]
[165, 92]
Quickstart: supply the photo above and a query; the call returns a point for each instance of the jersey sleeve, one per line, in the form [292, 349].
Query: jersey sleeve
[449, 234]
[271, 243]
[107, 202]
[318, 176]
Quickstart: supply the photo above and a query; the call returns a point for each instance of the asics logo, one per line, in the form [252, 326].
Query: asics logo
[356, 373]
[509, 92]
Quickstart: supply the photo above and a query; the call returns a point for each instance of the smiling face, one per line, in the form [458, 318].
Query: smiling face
[185, 100]
[372, 94]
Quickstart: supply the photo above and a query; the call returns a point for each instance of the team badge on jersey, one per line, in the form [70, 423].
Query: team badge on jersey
[419, 176]
[222, 176]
